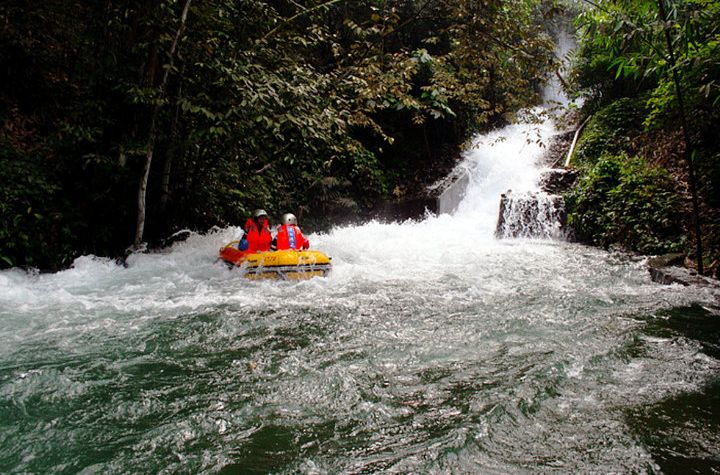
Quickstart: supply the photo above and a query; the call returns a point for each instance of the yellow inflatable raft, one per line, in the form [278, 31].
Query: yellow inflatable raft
[286, 264]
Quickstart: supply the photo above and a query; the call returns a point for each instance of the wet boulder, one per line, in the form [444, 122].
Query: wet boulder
[667, 269]
[557, 149]
[450, 191]
[557, 180]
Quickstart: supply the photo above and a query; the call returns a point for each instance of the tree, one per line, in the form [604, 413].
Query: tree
[152, 133]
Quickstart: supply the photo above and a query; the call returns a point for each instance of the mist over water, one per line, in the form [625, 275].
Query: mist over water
[431, 347]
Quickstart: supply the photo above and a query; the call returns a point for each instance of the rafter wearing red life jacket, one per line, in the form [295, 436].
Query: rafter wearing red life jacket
[289, 236]
[258, 239]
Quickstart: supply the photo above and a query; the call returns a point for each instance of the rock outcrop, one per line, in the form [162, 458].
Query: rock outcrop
[557, 149]
[666, 269]
[557, 180]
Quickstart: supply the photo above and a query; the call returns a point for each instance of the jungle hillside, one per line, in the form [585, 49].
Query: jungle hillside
[649, 156]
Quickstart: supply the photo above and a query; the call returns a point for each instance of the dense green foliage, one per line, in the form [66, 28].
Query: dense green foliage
[648, 68]
[20, 199]
[624, 53]
[610, 131]
[321, 108]
[622, 200]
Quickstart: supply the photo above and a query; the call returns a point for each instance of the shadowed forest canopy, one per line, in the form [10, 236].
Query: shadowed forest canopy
[320, 108]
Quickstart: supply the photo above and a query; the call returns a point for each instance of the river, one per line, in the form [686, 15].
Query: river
[431, 348]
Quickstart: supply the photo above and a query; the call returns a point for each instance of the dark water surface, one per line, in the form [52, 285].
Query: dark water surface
[683, 432]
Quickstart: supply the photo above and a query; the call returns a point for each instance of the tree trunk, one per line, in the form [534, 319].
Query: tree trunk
[152, 133]
[165, 182]
[688, 143]
[167, 164]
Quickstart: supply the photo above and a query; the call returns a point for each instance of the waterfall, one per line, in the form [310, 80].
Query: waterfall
[502, 160]
[508, 159]
[531, 215]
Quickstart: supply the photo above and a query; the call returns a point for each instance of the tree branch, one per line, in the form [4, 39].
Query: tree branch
[298, 15]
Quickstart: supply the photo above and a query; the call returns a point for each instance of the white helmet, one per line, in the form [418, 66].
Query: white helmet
[288, 218]
[259, 212]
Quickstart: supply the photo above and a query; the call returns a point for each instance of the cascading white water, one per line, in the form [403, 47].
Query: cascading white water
[531, 215]
[431, 347]
[553, 94]
[505, 159]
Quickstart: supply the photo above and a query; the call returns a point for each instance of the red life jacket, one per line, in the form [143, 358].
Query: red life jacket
[258, 239]
[289, 236]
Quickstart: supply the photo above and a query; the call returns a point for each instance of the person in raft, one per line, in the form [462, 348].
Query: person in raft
[257, 235]
[289, 235]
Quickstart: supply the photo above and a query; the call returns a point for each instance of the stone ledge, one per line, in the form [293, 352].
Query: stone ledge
[557, 180]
